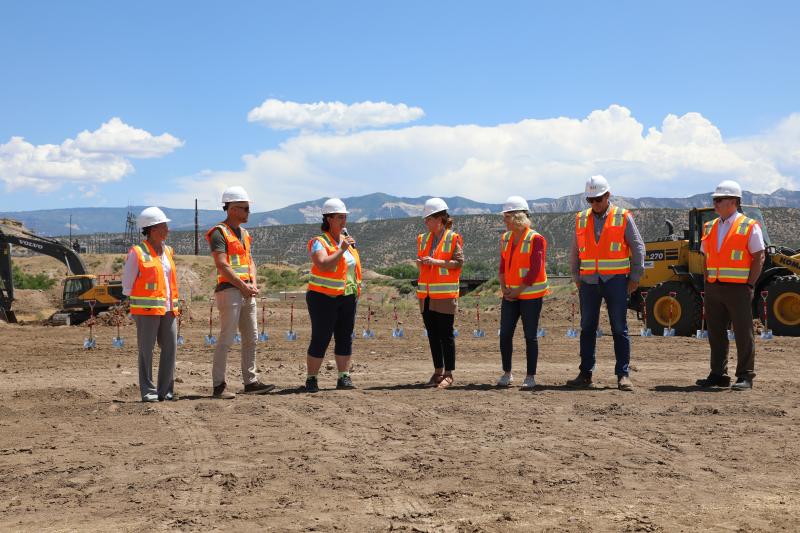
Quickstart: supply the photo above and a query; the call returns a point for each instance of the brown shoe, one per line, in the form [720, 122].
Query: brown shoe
[583, 381]
[435, 380]
[221, 394]
[624, 383]
[447, 380]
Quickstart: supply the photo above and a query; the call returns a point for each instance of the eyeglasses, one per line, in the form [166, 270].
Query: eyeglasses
[720, 198]
[595, 200]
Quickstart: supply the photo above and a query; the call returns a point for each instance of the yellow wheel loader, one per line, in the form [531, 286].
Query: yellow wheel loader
[674, 279]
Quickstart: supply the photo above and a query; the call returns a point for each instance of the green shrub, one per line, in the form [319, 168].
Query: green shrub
[280, 278]
[400, 271]
[30, 281]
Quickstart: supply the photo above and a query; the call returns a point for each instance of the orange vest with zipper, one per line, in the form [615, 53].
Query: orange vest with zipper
[238, 252]
[332, 283]
[611, 254]
[434, 282]
[149, 292]
[731, 263]
[516, 267]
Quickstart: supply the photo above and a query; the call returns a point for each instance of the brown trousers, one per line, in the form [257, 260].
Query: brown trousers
[730, 303]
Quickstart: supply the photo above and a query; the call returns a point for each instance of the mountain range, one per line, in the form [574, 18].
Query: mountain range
[370, 207]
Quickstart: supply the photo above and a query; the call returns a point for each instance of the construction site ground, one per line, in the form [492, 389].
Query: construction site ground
[80, 452]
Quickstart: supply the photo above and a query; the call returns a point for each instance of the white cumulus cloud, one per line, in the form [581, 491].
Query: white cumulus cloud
[91, 158]
[533, 157]
[337, 116]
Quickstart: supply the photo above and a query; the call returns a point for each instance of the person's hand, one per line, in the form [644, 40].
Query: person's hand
[513, 294]
[247, 290]
[346, 243]
[428, 260]
[632, 286]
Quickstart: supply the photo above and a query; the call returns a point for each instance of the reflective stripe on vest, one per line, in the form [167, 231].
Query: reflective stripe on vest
[610, 254]
[514, 272]
[731, 263]
[438, 282]
[332, 283]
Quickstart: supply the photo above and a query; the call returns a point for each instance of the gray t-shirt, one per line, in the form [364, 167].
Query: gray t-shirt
[219, 244]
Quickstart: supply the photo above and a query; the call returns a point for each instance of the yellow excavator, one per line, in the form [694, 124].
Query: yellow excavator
[674, 279]
[81, 290]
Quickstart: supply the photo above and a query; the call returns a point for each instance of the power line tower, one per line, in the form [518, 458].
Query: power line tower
[131, 237]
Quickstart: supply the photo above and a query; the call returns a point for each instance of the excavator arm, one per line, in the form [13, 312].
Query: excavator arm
[12, 233]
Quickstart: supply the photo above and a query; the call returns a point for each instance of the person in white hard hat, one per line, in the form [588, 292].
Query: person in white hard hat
[523, 282]
[607, 261]
[332, 295]
[440, 257]
[235, 293]
[733, 248]
[150, 281]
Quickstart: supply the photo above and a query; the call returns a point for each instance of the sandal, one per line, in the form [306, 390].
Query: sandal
[435, 380]
[445, 382]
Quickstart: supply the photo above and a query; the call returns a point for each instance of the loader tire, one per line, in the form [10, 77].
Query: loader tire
[686, 308]
[783, 306]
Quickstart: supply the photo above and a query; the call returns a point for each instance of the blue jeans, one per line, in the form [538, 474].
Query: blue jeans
[510, 313]
[615, 293]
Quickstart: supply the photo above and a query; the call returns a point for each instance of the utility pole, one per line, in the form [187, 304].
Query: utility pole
[196, 230]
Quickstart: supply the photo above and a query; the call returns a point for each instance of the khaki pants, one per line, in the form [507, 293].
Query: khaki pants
[235, 313]
[730, 303]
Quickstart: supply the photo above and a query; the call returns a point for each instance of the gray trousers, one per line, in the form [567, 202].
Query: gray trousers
[730, 303]
[235, 313]
[149, 330]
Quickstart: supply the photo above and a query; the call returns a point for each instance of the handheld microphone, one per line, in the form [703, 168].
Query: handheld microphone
[346, 234]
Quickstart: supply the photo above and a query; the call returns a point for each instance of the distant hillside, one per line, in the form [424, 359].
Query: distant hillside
[377, 206]
[387, 242]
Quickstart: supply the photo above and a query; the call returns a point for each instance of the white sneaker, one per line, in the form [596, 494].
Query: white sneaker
[529, 383]
[150, 397]
[505, 380]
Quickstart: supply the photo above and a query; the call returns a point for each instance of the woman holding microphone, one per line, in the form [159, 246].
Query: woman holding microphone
[151, 283]
[440, 257]
[523, 281]
[332, 294]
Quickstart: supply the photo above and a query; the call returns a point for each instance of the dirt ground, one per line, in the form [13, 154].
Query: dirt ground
[78, 451]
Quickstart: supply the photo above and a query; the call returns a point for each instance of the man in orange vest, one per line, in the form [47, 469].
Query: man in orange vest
[235, 294]
[607, 260]
[733, 245]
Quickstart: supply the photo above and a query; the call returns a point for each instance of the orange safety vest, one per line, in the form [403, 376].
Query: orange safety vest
[332, 283]
[516, 267]
[731, 263]
[611, 254]
[238, 252]
[438, 283]
[149, 293]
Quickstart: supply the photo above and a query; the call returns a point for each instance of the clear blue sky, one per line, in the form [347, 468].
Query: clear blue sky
[195, 69]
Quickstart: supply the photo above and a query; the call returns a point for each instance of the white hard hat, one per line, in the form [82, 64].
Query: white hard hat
[333, 206]
[150, 217]
[728, 188]
[433, 206]
[515, 203]
[596, 186]
[235, 193]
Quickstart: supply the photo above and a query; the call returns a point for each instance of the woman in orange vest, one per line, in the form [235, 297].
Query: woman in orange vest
[332, 294]
[151, 283]
[523, 281]
[440, 257]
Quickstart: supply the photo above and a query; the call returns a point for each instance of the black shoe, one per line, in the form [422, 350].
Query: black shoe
[345, 382]
[311, 384]
[583, 381]
[221, 394]
[714, 380]
[742, 384]
[258, 388]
